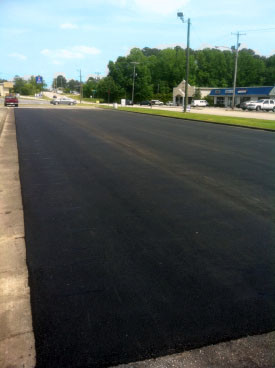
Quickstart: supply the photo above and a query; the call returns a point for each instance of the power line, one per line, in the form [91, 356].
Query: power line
[259, 30]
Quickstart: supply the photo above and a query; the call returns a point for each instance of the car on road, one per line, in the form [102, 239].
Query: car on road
[156, 102]
[63, 101]
[146, 102]
[11, 100]
[265, 105]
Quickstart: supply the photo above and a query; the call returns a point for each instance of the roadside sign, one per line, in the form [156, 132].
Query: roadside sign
[188, 108]
[39, 79]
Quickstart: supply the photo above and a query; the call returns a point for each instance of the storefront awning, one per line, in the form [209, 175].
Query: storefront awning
[243, 91]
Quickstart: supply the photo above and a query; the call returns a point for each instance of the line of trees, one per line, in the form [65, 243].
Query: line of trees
[27, 87]
[159, 71]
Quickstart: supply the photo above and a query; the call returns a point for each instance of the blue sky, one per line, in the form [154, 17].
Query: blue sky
[62, 36]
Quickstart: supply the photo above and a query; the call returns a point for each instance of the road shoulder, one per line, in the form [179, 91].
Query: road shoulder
[16, 332]
[250, 352]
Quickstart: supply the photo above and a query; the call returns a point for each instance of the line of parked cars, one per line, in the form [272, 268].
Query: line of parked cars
[263, 104]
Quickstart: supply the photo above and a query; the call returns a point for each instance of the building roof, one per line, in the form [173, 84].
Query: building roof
[243, 91]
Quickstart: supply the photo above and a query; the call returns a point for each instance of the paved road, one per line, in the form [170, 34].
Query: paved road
[28, 101]
[145, 235]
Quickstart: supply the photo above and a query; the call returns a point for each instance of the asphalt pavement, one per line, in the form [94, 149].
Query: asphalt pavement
[145, 235]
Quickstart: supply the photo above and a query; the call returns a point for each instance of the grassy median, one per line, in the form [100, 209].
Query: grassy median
[230, 120]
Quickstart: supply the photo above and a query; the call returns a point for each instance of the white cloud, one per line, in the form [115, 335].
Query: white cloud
[86, 50]
[161, 7]
[68, 26]
[75, 52]
[170, 46]
[18, 56]
[57, 62]
[14, 31]
[59, 73]
[45, 52]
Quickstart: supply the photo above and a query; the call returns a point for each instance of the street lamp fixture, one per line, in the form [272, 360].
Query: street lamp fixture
[134, 75]
[180, 15]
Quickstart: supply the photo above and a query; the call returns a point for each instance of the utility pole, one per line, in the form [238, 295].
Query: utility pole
[238, 34]
[80, 89]
[134, 75]
[180, 15]
[97, 74]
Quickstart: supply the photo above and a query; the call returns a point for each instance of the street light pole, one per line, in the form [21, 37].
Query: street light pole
[238, 34]
[80, 89]
[134, 75]
[180, 15]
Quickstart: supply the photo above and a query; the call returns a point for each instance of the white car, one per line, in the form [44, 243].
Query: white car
[199, 103]
[63, 101]
[267, 105]
[156, 102]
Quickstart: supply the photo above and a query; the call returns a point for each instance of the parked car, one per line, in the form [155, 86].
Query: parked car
[243, 105]
[169, 103]
[129, 102]
[145, 102]
[156, 102]
[63, 101]
[266, 105]
[199, 103]
[11, 100]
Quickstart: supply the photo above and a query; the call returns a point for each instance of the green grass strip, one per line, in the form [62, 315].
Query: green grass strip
[246, 122]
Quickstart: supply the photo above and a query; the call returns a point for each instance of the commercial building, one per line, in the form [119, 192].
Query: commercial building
[5, 88]
[179, 93]
[223, 96]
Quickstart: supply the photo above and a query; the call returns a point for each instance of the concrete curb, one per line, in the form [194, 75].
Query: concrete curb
[3, 115]
[16, 333]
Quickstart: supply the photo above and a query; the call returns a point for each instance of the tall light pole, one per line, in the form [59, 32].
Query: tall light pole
[180, 15]
[238, 34]
[134, 75]
[97, 75]
[80, 89]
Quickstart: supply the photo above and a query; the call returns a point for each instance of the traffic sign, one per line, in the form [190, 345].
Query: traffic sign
[39, 79]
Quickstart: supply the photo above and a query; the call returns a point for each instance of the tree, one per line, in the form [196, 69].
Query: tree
[89, 87]
[159, 71]
[109, 90]
[59, 82]
[27, 87]
[197, 94]
[251, 69]
[269, 75]
[72, 85]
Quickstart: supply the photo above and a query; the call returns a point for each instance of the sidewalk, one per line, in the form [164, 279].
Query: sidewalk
[16, 335]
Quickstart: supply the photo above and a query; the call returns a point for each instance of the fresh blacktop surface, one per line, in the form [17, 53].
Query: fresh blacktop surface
[17, 343]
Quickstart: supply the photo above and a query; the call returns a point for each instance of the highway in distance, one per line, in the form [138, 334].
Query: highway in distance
[145, 235]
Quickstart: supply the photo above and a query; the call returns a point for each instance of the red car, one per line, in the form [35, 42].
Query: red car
[11, 100]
